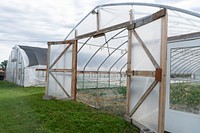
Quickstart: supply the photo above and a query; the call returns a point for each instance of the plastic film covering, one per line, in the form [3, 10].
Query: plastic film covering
[55, 89]
[105, 54]
[59, 83]
[88, 25]
[147, 113]
[20, 73]
[114, 15]
[102, 61]
[179, 21]
[183, 86]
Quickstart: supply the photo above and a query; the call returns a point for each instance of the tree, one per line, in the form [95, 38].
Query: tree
[4, 64]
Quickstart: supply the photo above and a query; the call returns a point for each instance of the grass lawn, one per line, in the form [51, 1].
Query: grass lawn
[22, 110]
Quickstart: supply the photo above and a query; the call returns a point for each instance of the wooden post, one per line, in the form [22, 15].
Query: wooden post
[74, 70]
[47, 69]
[163, 64]
[128, 92]
[98, 20]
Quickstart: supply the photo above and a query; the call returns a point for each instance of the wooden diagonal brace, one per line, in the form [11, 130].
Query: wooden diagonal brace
[144, 96]
[63, 52]
[59, 84]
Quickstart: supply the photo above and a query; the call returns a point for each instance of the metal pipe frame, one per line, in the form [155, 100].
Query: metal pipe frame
[186, 59]
[115, 64]
[107, 59]
[195, 14]
[98, 51]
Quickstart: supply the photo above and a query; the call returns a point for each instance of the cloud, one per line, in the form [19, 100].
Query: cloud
[47, 20]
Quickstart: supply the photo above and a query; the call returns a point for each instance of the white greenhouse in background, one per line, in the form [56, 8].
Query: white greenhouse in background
[27, 66]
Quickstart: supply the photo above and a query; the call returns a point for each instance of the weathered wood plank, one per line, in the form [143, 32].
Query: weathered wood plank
[59, 84]
[47, 70]
[146, 49]
[135, 24]
[74, 70]
[62, 53]
[40, 69]
[148, 19]
[60, 70]
[142, 73]
[144, 96]
[99, 72]
[163, 65]
[128, 85]
[61, 42]
[183, 37]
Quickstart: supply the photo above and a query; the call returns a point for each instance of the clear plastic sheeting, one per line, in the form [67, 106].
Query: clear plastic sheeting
[59, 73]
[20, 72]
[61, 87]
[102, 38]
[179, 21]
[183, 86]
[147, 113]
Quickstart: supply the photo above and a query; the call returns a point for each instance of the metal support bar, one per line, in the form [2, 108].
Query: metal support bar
[137, 23]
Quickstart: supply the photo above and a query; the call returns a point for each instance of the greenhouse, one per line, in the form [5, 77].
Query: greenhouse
[27, 66]
[139, 60]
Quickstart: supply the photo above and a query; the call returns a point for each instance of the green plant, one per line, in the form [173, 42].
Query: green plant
[186, 94]
[23, 110]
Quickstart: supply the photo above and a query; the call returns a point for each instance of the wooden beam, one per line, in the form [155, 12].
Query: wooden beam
[129, 56]
[163, 65]
[136, 23]
[128, 119]
[59, 84]
[142, 73]
[40, 69]
[74, 70]
[105, 30]
[60, 70]
[144, 96]
[61, 42]
[85, 72]
[99, 72]
[63, 52]
[148, 19]
[140, 126]
[146, 49]
[47, 69]
[183, 37]
[98, 20]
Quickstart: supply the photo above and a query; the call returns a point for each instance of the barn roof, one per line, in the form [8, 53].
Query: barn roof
[36, 56]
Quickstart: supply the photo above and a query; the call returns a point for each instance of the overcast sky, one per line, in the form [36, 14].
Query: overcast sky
[34, 22]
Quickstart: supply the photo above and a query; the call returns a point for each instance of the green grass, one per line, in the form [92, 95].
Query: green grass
[22, 110]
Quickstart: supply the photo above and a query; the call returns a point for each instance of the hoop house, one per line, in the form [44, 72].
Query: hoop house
[137, 45]
[26, 66]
